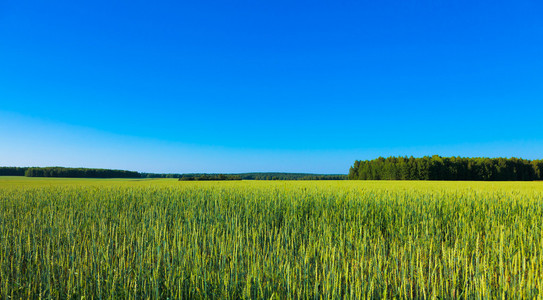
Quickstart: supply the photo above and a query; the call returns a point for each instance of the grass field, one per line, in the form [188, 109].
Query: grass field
[69, 238]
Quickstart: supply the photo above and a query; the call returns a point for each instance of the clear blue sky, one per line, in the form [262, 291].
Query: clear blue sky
[297, 86]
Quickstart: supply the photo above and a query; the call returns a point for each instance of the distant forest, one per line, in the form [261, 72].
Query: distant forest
[391, 168]
[12, 171]
[206, 177]
[67, 172]
[79, 173]
[447, 168]
[107, 173]
[249, 176]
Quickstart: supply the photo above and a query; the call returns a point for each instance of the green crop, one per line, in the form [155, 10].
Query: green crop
[338, 239]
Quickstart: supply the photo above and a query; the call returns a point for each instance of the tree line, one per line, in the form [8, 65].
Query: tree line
[252, 176]
[447, 168]
[206, 177]
[79, 173]
[12, 171]
[291, 176]
[107, 173]
[160, 175]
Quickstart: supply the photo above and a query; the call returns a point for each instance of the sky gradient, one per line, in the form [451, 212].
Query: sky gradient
[242, 86]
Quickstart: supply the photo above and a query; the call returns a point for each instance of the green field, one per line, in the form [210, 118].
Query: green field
[73, 238]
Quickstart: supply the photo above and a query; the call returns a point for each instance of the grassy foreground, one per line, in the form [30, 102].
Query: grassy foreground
[68, 238]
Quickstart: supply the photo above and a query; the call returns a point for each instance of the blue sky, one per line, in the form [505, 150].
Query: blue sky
[238, 86]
